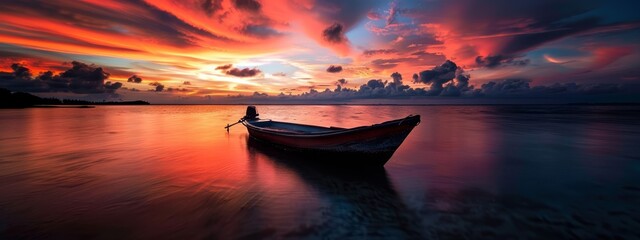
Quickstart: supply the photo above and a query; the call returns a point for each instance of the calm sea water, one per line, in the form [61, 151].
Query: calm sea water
[141, 172]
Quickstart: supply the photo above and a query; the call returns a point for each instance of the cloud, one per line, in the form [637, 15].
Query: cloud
[170, 89]
[211, 6]
[507, 28]
[248, 5]
[334, 69]
[605, 56]
[186, 83]
[80, 78]
[245, 72]
[85, 78]
[158, 86]
[20, 71]
[224, 67]
[393, 12]
[450, 80]
[334, 33]
[500, 60]
[263, 31]
[374, 15]
[259, 94]
[374, 83]
[445, 80]
[519, 43]
[506, 87]
[521, 88]
[417, 59]
[136, 22]
[439, 74]
[397, 78]
[388, 63]
[134, 79]
[112, 87]
[414, 60]
[379, 51]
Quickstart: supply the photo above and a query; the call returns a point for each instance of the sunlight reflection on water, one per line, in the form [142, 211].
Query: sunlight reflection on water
[465, 171]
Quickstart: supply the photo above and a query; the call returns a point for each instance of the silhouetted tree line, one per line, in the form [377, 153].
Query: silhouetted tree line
[10, 99]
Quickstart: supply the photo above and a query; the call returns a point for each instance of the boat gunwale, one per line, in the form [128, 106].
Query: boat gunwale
[337, 131]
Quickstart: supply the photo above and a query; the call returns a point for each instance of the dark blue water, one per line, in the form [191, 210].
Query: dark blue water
[492, 172]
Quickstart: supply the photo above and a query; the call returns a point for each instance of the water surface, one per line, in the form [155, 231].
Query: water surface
[464, 172]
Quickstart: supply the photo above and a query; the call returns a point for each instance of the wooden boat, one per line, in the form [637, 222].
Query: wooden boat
[373, 144]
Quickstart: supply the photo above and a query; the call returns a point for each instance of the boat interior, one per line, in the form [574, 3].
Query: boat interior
[292, 127]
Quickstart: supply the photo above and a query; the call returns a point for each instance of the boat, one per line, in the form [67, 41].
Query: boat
[372, 145]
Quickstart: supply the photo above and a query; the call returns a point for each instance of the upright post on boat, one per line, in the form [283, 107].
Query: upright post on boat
[251, 114]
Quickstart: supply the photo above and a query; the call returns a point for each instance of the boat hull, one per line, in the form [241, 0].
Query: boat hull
[375, 143]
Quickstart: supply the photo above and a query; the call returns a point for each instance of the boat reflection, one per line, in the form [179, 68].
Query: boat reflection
[357, 202]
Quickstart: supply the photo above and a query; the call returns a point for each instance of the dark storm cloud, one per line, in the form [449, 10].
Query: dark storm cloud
[134, 79]
[20, 71]
[445, 80]
[85, 78]
[245, 72]
[224, 67]
[341, 81]
[439, 74]
[334, 69]
[334, 33]
[499, 60]
[248, 5]
[80, 78]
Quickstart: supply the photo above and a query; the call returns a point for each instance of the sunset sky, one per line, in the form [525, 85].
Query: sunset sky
[194, 51]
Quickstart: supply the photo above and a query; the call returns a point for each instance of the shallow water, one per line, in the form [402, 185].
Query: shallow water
[464, 172]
